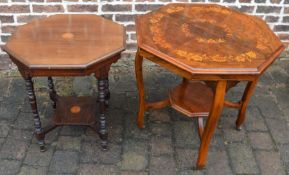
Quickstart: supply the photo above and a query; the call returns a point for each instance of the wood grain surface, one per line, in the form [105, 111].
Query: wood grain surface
[66, 41]
[192, 98]
[207, 39]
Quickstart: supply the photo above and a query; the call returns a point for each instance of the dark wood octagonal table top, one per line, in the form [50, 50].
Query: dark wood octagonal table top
[66, 41]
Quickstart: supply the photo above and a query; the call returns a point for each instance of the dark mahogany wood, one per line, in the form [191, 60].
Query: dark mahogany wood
[52, 92]
[204, 42]
[66, 41]
[37, 123]
[107, 92]
[75, 111]
[103, 92]
[68, 45]
[102, 118]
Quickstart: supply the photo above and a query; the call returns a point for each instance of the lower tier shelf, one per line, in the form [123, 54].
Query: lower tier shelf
[75, 111]
[192, 98]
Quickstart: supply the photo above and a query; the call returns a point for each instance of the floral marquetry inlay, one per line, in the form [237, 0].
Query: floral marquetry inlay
[202, 22]
[203, 35]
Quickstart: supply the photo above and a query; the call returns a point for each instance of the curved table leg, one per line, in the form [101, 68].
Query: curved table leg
[140, 86]
[37, 123]
[212, 121]
[244, 103]
[52, 92]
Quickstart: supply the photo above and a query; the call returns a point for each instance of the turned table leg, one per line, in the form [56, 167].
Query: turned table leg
[37, 123]
[244, 103]
[140, 86]
[107, 92]
[103, 133]
[211, 123]
[52, 92]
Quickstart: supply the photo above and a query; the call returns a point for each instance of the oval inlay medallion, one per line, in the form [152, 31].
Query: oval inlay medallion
[75, 109]
[67, 35]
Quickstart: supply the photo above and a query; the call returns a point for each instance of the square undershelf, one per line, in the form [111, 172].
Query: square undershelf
[75, 111]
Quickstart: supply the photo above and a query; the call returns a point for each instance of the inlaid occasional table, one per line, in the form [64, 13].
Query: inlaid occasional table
[212, 48]
[68, 45]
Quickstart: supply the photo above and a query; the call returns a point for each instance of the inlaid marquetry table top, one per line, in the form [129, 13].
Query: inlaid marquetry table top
[208, 39]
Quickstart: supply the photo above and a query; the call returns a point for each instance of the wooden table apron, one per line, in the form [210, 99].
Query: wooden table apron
[101, 71]
[218, 101]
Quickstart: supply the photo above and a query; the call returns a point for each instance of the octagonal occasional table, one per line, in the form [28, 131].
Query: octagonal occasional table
[68, 45]
[205, 43]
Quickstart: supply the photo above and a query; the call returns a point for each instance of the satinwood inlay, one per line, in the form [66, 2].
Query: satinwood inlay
[206, 37]
[67, 36]
[75, 109]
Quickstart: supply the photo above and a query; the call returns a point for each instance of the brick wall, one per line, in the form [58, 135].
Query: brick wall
[17, 12]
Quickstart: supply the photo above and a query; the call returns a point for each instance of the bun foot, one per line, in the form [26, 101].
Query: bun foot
[42, 148]
[104, 147]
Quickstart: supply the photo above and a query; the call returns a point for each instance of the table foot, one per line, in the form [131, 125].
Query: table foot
[238, 128]
[42, 148]
[103, 142]
[103, 137]
[199, 167]
[140, 118]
